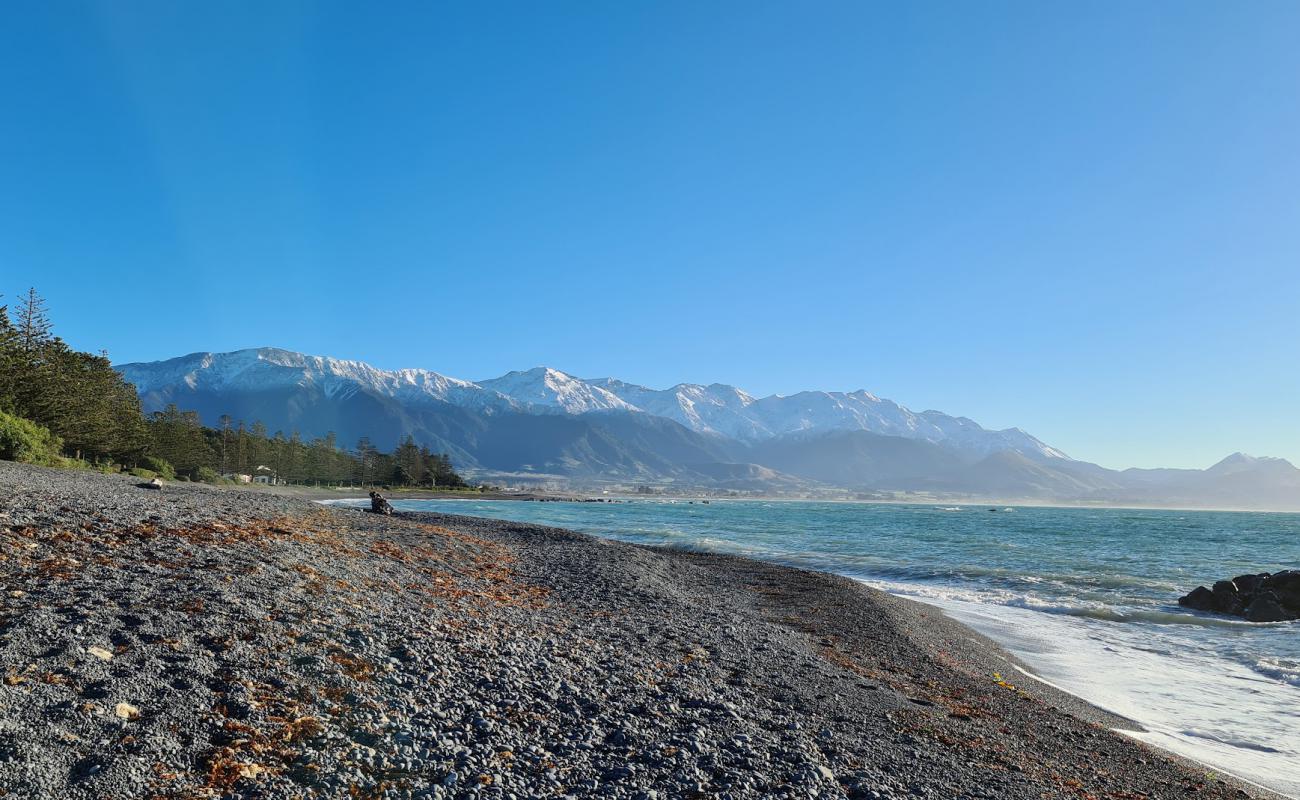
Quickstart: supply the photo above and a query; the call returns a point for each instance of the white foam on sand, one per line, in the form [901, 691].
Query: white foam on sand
[1190, 701]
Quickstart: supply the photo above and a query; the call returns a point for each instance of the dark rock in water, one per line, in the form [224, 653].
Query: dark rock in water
[1200, 598]
[1227, 600]
[1249, 584]
[1225, 588]
[1262, 597]
[1286, 585]
[1267, 608]
[1286, 579]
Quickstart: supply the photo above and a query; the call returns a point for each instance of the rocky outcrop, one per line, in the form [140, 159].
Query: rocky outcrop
[1265, 597]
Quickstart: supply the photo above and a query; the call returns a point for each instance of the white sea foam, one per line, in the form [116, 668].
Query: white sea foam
[1288, 671]
[1237, 719]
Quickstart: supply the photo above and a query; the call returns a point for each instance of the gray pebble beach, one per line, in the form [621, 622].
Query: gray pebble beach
[217, 643]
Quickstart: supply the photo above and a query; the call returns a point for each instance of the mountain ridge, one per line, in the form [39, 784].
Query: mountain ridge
[545, 422]
[713, 408]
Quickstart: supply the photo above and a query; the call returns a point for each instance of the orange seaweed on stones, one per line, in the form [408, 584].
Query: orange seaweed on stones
[225, 768]
[300, 729]
[356, 668]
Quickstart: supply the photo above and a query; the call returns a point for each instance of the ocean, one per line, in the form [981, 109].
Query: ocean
[1087, 598]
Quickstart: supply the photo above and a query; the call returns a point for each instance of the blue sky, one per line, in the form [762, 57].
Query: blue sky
[1079, 218]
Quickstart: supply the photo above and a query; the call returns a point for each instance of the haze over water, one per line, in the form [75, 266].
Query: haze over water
[1086, 597]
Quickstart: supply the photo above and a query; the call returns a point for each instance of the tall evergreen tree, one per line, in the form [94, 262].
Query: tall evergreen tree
[242, 464]
[225, 443]
[9, 350]
[33, 321]
[178, 439]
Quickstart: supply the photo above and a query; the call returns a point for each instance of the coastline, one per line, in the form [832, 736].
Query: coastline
[1215, 692]
[356, 494]
[433, 644]
[1155, 735]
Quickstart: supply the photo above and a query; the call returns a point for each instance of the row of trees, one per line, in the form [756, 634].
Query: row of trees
[96, 415]
[76, 396]
[180, 438]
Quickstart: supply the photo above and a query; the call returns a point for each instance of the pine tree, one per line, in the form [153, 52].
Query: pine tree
[132, 435]
[334, 471]
[178, 438]
[225, 443]
[294, 457]
[241, 451]
[260, 449]
[278, 454]
[407, 463]
[33, 322]
[9, 350]
[367, 469]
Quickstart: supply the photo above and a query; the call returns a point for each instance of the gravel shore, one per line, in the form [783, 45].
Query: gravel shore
[199, 642]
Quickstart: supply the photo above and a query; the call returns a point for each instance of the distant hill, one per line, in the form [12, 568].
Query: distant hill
[545, 422]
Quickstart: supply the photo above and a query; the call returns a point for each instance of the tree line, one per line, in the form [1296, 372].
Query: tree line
[233, 448]
[55, 397]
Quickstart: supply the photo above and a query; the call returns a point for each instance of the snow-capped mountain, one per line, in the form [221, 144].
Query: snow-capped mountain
[543, 388]
[716, 409]
[543, 422]
[728, 411]
[270, 368]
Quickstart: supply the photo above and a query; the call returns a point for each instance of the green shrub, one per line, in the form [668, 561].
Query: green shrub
[157, 465]
[141, 472]
[207, 475]
[25, 441]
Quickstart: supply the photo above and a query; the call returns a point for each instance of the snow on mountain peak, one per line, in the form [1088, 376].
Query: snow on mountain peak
[717, 409]
[271, 368]
[546, 388]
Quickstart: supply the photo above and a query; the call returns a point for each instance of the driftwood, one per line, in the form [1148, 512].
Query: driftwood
[378, 505]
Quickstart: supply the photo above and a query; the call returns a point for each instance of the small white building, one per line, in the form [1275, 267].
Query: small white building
[265, 476]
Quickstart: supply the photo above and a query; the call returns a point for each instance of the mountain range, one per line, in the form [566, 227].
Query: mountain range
[544, 423]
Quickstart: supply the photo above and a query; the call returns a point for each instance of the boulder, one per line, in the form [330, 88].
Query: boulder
[1260, 597]
[1226, 598]
[1249, 584]
[156, 484]
[1286, 579]
[1286, 585]
[1267, 608]
[1200, 598]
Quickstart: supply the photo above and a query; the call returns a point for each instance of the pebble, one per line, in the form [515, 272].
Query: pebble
[126, 711]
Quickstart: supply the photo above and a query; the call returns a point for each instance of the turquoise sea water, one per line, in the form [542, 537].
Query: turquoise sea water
[1086, 597]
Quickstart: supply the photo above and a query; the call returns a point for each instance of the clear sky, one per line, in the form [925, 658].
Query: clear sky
[1079, 218]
